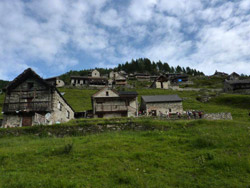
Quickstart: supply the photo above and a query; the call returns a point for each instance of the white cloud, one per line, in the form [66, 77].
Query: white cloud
[205, 34]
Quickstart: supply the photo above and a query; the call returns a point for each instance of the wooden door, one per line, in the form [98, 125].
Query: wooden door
[26, 121]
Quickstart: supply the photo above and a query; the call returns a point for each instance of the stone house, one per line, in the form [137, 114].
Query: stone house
[30, 100]
[55, 81]
[110, 103]
[117, 78]
[237, 86]
[161, 82]
[123, 73]
[220, 74]
[157, 105]
[233, 76]
[95, 73]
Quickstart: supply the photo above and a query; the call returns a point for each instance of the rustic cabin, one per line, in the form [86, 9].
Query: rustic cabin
[55, 81]
[110, 103]
[88, 81]
[94, 73]
[220, 74]
[157, 105]
[142, 76]
[177, 77]
[233, 76]
[123, 73]
[30, 100]
[117, 79]
[237, 86]
[161, 82]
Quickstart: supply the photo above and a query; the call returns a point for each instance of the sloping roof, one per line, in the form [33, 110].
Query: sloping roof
[234, 74]
[23, 76]
[101, 90]
[28, 73]
[161, 98]
[128, 93]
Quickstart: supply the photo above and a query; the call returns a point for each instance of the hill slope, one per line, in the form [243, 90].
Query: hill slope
[197, 154]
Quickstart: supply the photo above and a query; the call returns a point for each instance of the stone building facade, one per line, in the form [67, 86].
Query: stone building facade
[95, 73]
[110, 103]
[30, 100]
[117, 79]
[161, 82]
[157, 105]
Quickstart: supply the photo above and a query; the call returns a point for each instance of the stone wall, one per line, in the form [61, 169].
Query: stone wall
[164, 108]
[12, 121]
[62, 130]
[165, 85]
[218, 116]
[61, 111]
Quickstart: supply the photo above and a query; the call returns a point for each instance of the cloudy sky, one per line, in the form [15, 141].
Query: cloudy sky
[55, 36]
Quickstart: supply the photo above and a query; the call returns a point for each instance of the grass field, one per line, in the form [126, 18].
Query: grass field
[206, 154]
[206, 82]
[190, 154]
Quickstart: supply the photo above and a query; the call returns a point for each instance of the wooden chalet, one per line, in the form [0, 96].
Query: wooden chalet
[30, 100]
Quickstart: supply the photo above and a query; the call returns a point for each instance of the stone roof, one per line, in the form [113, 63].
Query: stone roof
[161, 98]
[128, 93]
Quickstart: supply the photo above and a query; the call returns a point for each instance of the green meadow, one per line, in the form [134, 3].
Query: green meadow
[190, 153]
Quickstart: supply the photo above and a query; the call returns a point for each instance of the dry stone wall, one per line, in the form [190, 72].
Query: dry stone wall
[218, 116]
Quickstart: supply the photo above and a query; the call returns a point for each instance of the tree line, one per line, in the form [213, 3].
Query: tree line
[154, 68]
[141, 65]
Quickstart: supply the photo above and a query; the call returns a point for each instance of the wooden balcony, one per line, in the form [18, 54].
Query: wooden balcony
[110, 108]
[43, 106]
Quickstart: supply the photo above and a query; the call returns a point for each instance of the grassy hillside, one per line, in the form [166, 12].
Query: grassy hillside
[207, 82]
[203, 154]
[79, 99]
[238, 105]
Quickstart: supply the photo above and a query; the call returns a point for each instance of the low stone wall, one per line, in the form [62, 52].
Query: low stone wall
[218, 116]
[79, 130]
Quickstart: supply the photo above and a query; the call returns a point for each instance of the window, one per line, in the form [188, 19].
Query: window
[30, 85]
[59, 106]
[107, 93]
[67, 114]
[169, 110]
